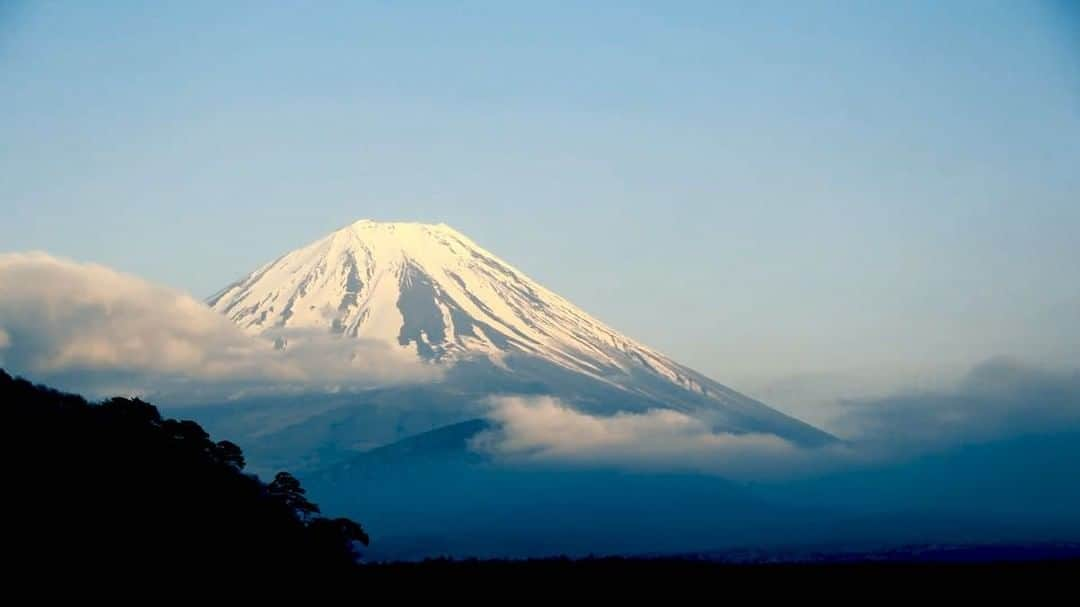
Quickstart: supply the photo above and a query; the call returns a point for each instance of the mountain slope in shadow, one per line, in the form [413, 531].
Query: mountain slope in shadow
[432, 495]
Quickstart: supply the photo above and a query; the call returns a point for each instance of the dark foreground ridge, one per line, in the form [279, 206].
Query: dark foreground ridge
[114, 486]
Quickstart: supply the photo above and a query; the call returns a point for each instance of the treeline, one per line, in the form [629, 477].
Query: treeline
[113, 485]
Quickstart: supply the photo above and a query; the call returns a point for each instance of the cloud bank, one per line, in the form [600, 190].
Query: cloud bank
[90, 328]
[543, 429]
[997, 401]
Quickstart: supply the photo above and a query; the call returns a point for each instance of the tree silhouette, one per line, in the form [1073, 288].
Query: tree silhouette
[328, 534]
[115, 488]
[229, 453]
[286, 488]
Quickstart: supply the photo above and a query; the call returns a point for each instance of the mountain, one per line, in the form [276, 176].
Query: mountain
[429, 293]
[402, 456]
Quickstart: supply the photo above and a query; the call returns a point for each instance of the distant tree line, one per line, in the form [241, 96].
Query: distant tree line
[113, 485]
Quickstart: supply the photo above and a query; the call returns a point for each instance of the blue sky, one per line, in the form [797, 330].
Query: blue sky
[762, 190]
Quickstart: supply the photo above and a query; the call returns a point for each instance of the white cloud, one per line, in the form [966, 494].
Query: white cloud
[97, 329]
[545, 429]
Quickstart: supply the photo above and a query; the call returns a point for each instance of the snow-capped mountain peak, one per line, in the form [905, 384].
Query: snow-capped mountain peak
[429, 289]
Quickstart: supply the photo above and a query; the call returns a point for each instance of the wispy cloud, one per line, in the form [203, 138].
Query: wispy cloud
[94, 329]
[997, 399]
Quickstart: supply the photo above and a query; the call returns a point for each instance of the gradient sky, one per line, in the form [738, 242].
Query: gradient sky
[761, 190]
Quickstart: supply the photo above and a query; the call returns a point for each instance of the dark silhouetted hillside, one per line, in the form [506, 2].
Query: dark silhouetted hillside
[114, 486]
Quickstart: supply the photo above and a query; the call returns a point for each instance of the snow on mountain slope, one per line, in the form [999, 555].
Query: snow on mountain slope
[432, 291]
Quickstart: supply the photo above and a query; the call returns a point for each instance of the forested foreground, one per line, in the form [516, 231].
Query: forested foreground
[114, 486]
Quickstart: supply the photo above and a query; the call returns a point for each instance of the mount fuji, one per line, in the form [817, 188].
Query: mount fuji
[429, 293]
